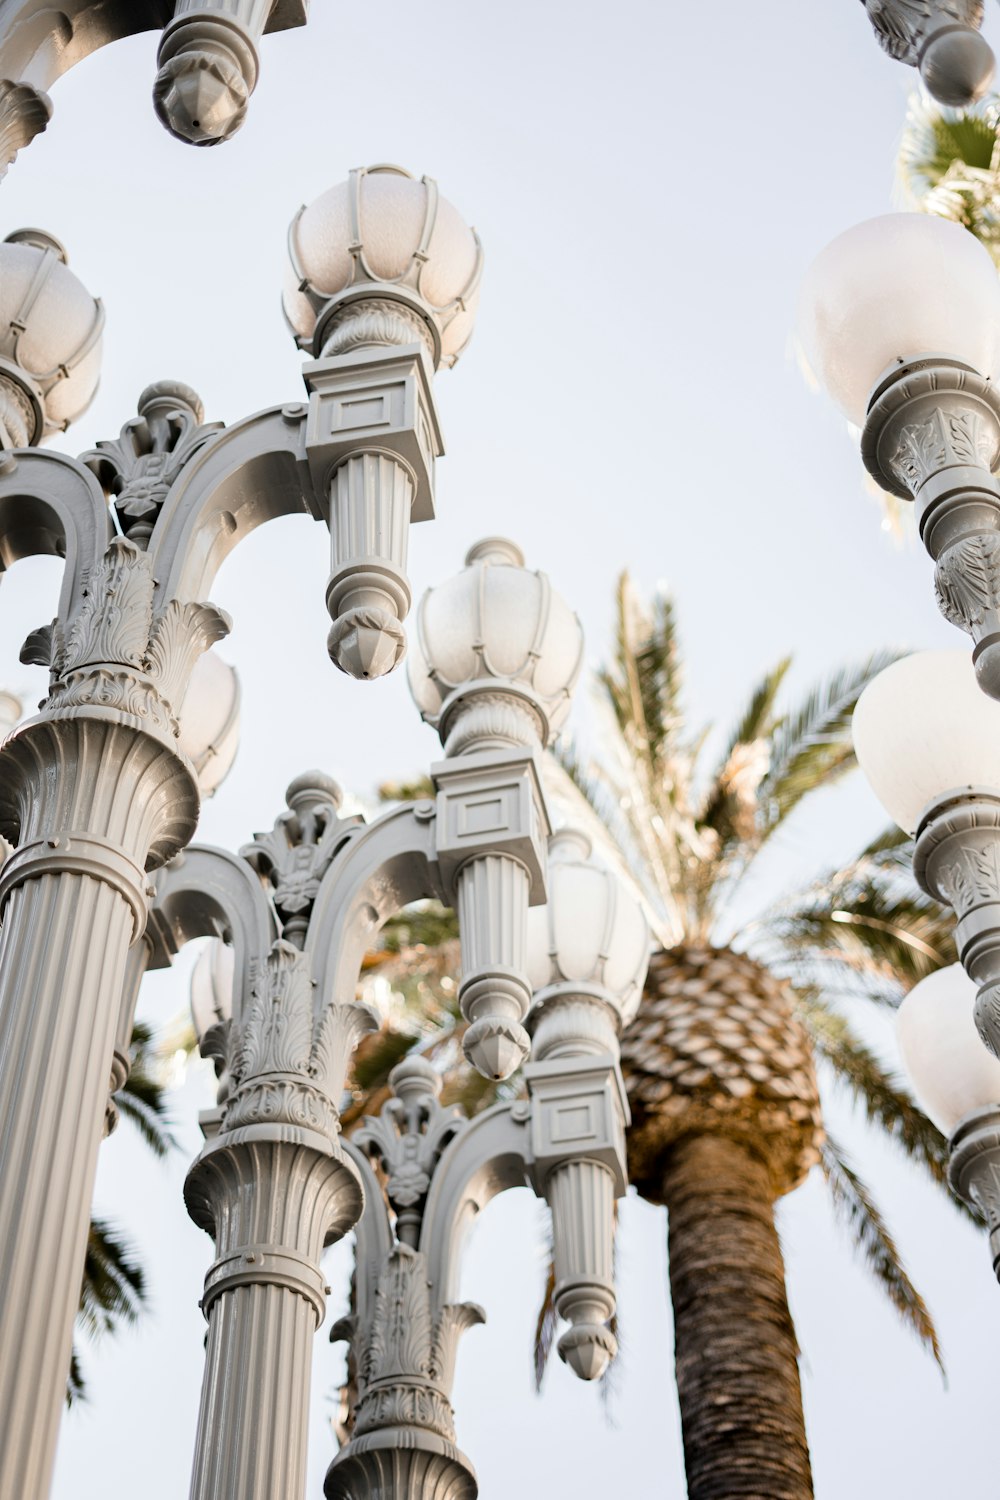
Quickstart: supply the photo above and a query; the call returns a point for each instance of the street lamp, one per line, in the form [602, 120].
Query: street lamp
[587, 955]
[208, 59]
[957, 1084]
[300, 906]
[900, 318]
[929, 743]
[942, 39]
[97, 789]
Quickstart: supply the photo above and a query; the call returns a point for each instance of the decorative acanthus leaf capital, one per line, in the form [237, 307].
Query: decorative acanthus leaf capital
[116, 652]
[942, 440]
[286, 1064]
[406, 1354]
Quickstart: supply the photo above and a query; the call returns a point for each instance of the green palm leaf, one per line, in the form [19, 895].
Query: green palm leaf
[856, 1211]
[812, 746]
[883, 1101]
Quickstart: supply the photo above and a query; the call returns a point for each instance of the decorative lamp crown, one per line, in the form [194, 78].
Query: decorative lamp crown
[497, 654]
[210, 721]
[50, 340]
[592, 938]
[382, 259]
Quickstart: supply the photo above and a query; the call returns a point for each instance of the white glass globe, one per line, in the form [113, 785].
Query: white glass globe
[210, 721]
[393, 210]
[924, 727]
[60, 322]
[212, 980]
[951, 1071]
[592, 931]
[496, 619]
[890, 289]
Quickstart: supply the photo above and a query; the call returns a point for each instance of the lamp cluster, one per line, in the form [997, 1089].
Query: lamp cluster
[100, 796]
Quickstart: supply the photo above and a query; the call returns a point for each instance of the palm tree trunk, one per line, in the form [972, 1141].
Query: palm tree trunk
[736, 1350]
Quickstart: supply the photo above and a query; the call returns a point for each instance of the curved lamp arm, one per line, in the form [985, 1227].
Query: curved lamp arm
[207, 892]
[51, 505]
[488, 1157]
[384, 866]
[249, 473]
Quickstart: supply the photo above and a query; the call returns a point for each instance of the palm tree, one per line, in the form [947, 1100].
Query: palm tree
[739, 1021]
[949, 165]
[113, 1291]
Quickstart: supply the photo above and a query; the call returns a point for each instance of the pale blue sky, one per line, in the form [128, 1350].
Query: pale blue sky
[650, 181]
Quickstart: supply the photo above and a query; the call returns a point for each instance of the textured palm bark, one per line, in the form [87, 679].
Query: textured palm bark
[736, 1350]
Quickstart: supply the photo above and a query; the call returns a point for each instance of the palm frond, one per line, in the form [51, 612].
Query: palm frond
[730, 805]
[545, 1324]
[884, 1102]
[811, 746]
[142, 1099]
[855, 1209]
[643, 682]
[114, 1284]
[876, 927]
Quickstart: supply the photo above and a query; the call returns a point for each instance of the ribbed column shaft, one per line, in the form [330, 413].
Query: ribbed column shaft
[273, 1204]
[62, 955]
[492, 909]
[253, 1427]
[371, 496]
[581, 1195]
[90, 798]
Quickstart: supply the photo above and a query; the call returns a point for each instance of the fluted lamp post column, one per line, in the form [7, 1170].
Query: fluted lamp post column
[957, 1085]
[929, 743]
[942, 39]
[496, 658]
[899, 319]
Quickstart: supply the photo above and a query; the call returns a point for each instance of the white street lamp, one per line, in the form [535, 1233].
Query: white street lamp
[50, 340]
[900, 319]
[497, 655]
[929, 743]
[381, 287]
[957, 1084]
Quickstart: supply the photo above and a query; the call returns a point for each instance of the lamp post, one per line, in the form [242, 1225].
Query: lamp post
[899, 319]
[97, 789]
[941, 38]
[208, 59]
[957, 1085]
[929, 743]
[300, 906]
[437, 1170]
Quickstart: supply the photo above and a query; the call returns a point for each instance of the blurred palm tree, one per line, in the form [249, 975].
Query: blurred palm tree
[949, 165]
[113, 1291]
[744, 1010]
